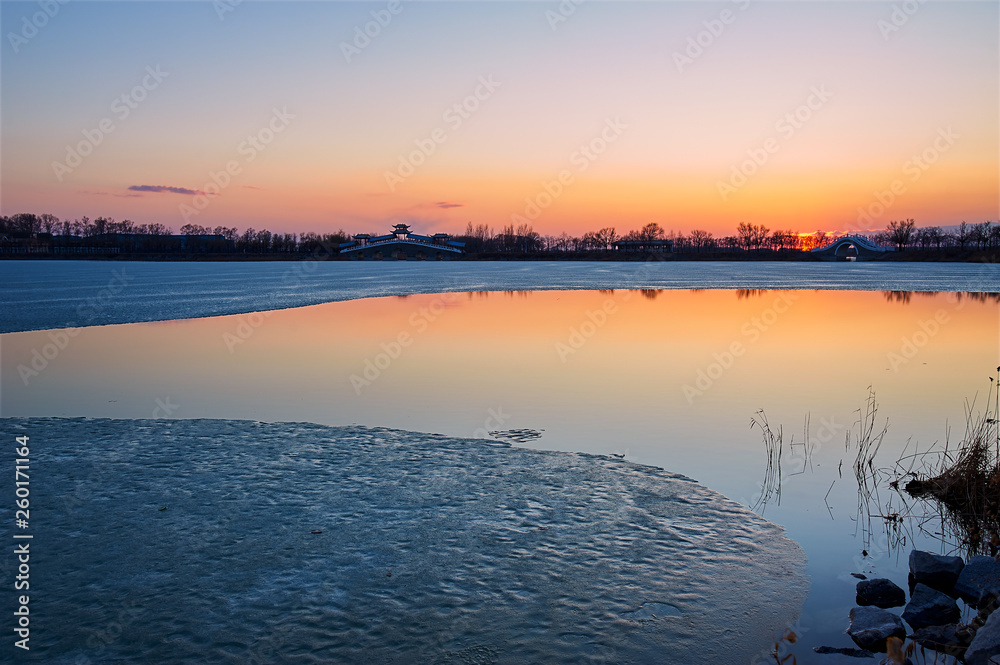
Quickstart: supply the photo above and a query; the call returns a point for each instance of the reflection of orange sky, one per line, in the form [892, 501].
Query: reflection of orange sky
[654, 341]
[539, 357]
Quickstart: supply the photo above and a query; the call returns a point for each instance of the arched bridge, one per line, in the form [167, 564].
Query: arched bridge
[848, 246]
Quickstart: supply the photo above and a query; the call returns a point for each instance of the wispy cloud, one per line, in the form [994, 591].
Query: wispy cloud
[251, 187]
[165, 189]
[445, 204]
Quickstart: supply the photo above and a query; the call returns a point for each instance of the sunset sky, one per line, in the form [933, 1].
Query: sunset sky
[474, 111]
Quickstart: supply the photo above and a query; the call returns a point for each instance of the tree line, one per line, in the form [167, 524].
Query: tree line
[129, 236]
[748, 237]
[478, 238]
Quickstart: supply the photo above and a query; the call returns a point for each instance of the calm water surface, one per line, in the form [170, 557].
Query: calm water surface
[665, 377]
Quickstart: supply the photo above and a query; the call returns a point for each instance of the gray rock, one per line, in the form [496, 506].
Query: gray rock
[870, 628]
[929, 607]
[936, 571]
[845, 651]
[880, 593]
[951, 640]
[985, 646]
[980, 580]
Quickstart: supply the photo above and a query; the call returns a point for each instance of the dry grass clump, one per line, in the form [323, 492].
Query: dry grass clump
[967, 483]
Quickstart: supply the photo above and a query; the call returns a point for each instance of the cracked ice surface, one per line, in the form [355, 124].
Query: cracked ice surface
[174, 541]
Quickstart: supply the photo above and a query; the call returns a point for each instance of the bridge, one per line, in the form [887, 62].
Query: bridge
[852, 246]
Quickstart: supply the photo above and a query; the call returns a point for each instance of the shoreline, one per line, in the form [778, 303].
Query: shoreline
[950, 255]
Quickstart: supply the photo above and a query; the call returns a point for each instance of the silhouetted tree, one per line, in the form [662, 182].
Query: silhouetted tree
[961, 234]
[751, 236]
[900, 233]
[700, 239]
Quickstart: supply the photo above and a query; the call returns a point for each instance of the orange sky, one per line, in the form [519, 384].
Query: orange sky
[803, 116]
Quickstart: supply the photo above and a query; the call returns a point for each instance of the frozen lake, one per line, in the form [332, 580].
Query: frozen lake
[668, 377]
[36, 295]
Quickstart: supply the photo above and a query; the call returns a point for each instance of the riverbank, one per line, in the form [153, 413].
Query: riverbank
[948, 254]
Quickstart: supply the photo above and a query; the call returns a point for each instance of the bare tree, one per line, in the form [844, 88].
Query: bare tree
[700, 239]
[900, 233]
[964, 234]
[751, 236]
[49, 222]
[651, 231]
[606, 237]
[980, 234]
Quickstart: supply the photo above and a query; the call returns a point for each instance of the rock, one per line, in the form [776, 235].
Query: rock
[985, 646]
[859, 576]
[870, 627]
[980, 580]
[880, 593]
[937, 572]
[845, 651]
[950, 640]
[929, 607]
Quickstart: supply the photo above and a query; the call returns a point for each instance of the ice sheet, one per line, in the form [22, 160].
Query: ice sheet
[38, 295]
[191, 541]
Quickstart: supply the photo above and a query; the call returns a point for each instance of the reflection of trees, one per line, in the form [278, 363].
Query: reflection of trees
[979, 296]
[748, 294]
[649, 294]
[898, 296]
[905, 296]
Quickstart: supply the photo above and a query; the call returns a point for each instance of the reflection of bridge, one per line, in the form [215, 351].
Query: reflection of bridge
[852, 246]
